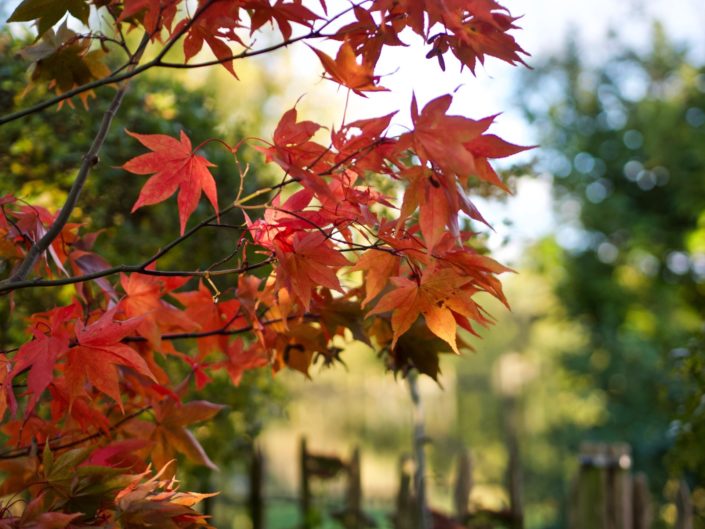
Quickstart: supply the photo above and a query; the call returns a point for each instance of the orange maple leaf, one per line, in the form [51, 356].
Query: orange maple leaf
[491, 146]
[170, 434]
[379, 267]
[345, 70]
[437, 295]
[174, 165]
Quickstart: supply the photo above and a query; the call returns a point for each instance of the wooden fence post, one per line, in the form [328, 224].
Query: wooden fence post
[305, 485]
[423, 519]
[405, 508]
[602, 498]
[256, 498]
[463, 485]
[619, 486]
[353, 495]
[514, 478]
[643, 509]
[684, 506]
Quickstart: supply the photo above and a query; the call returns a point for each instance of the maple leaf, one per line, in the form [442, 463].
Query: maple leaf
[379, 267]
[240, 360]
[345, 70]
[155, 502]
[474, 38]
[65, 60]
[210, 316]
[31, 224]
[214, 26]
[440, 138]
[491, 146]
[35, 516]
[281, 12]
[295, 153]
[143, 299]
[49, 12]
[170, 434]
[153, 14]
[297, 347]
[431, 297]
[173, 164]
[119, 454]
[98, 353]
[40, 355]
[311, 262]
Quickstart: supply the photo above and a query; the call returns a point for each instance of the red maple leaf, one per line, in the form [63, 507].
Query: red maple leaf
[154, 14]
[211, 317]
[282, 12]
[311, 262]
[214, 26]
[99, 351]
[294, 151]
[143, 298]
[173, 164]
[240, 360]
[40, 355]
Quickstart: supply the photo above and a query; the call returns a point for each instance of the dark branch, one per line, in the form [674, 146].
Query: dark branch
[26, 450]
[140, 269]
[117, 77]
[89, 161]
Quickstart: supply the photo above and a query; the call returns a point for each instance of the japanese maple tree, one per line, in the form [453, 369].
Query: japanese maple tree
[93, 413]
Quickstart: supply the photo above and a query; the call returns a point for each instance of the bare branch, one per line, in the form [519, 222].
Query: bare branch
[140, 269]
[89, 160]
[9, 285]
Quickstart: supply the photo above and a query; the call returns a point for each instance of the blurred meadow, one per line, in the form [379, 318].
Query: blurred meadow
[606, 231]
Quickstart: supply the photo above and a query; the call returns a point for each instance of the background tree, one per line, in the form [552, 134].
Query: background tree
[623, 145]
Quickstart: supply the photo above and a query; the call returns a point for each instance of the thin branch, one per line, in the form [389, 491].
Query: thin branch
[9, 286]
[115, 77]
[158, 62]
[25, 451]
[223, 331]
[140, 269]
[89, 161]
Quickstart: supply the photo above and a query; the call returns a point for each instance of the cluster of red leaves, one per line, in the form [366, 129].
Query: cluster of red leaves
[335, 256]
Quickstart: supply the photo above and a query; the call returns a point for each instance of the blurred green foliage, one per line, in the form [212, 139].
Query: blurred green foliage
[623, 141]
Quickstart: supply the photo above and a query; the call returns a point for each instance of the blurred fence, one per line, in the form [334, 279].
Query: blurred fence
[605, 494]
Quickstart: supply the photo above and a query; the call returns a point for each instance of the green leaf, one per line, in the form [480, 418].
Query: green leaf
[419, 348]
[64, 466]
[49, 12]
[47, 459]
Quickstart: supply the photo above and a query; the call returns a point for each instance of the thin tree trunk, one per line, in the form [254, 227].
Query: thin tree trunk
[423, 514]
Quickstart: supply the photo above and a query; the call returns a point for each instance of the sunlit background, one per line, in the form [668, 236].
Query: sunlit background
[606, 230]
